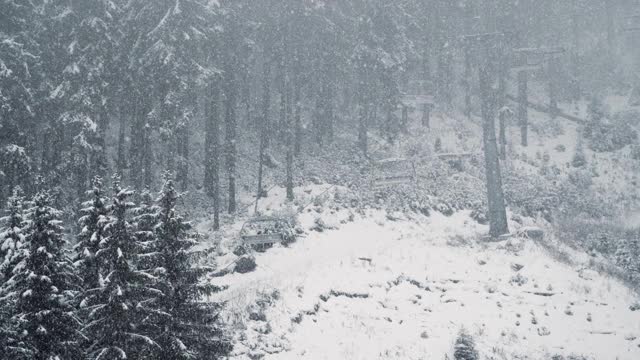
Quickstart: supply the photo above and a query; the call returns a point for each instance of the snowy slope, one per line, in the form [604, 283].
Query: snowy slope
[385, 286]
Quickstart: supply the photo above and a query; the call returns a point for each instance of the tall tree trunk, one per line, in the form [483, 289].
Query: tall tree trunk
[183, 154]
[467, 82]
[230, 91]
[147, 155]
[136, 146]
[122, 160]
[426, 115]
[282, 87]
[576, 51]
[298, 117]
[497, 212]
[503, 134]
[212, 150]
[289, 144]
[230, 130]
[99, 163]
[264, 139]
[363, 109]
[523, 113]
[286, 66]
[553, 92]
[611, 6]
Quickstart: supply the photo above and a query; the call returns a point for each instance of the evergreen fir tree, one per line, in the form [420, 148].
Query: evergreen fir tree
[144, 221]
[42, 291]
[114, 321]
[628, 256]
[93, 221]
[11, 251]
[465, 347]
[595, 115]
[189, 327]
[11, 235]
[579, 158]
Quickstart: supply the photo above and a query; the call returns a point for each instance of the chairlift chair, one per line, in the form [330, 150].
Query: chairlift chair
[265, 230]
[394, 171]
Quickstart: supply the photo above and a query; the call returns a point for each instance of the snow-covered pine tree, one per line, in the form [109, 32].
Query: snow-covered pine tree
[144, 222]
[579, 158]
[11, 235]
[189, 330]
[628, 256]
[93, 221]
[15, 169]
[42, 290]
[595, 114]
[465, 347]
[11, 249]
[114, 321]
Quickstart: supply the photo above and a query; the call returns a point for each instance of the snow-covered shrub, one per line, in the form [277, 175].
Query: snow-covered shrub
[459, 192]
[547, 126]
[635, 152]
[628, 117]
[579, 159]
[518, 279]
[245, 264]
[532, 194]
[594, 235]
[606, 135]
[560, 148]
[465, 347]
[438, 145]
[479, 214]
[628, 254]
[580, 178]
[611, 137]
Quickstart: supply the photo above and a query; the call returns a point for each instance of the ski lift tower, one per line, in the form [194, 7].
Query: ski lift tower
[525, 60]
[632, 27]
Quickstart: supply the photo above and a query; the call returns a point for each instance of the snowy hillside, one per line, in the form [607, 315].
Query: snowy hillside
[390, 286]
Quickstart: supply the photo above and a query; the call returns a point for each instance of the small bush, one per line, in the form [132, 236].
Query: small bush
[245, 264]
[465, 347]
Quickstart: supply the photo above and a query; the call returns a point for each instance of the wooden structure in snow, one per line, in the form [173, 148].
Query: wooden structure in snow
[393, 171]
[525, 59]
[265, 231]
[424, 102]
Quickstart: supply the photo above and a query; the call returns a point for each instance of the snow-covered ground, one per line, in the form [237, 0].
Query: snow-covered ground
[375, 285]
[388, 286]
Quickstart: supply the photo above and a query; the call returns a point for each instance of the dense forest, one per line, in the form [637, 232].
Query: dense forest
[136, 88]
[118, 115]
